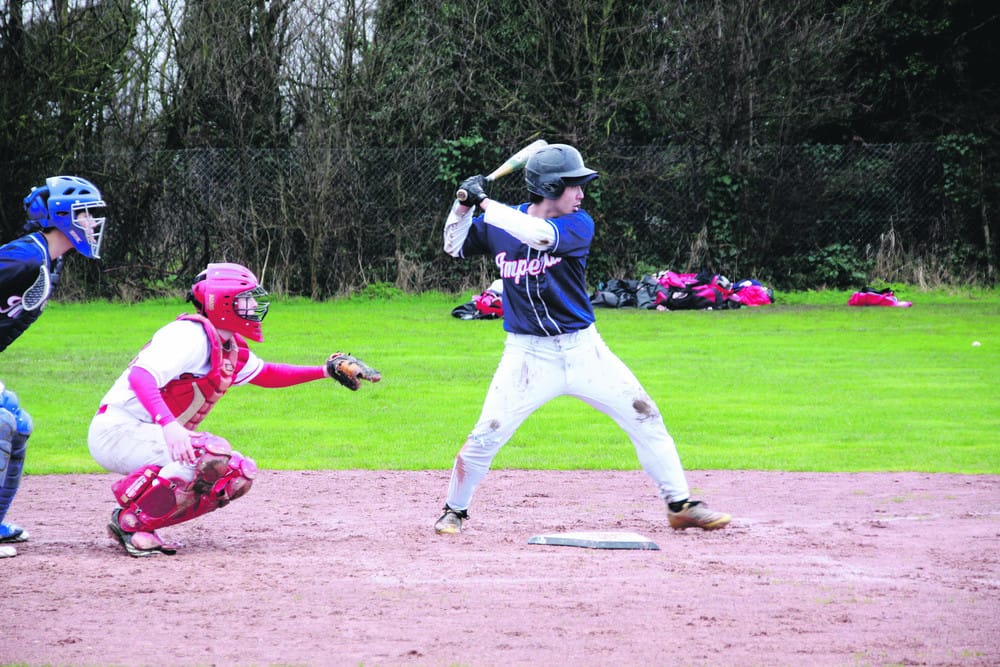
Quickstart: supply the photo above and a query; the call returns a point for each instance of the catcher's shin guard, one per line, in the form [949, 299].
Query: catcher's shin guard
[150, 502]
[15, 427]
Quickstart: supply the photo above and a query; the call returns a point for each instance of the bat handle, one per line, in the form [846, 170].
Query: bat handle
[461, 194]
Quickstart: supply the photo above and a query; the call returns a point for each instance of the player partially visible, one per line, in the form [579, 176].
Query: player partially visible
[67, 213]
[147, 425]
[552, 347]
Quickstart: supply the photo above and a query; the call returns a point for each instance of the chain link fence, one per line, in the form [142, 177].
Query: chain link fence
[797, 215]
[321, 222]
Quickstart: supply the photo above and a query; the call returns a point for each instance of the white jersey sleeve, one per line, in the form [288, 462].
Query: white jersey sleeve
[456, 229]
[177, 348]
[249, 371]
[538, 233]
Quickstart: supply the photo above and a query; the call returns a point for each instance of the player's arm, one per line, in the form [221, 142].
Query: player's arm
[456, 228]
[147, 391]
[537, 233]
[274, 376]
[342, 367]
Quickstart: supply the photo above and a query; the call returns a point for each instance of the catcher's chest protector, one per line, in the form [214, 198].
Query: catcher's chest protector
[191, 398]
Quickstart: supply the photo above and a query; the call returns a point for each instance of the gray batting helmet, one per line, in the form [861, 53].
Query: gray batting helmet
[551, 169]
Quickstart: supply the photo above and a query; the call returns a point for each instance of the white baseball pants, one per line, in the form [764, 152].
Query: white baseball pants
[532, 371]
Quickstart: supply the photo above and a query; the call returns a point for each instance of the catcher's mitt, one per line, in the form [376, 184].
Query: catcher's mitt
[349, 371]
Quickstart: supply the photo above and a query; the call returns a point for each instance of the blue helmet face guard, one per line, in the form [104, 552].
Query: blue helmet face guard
[72, 205]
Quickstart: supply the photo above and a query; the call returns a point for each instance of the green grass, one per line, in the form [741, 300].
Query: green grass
[807, 384]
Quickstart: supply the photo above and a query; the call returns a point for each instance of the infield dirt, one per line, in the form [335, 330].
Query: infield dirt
[343, 568]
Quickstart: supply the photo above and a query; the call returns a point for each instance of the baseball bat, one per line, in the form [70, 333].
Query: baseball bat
[514, 163]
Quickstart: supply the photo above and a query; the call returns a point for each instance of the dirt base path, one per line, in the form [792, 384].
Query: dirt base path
[343, 568]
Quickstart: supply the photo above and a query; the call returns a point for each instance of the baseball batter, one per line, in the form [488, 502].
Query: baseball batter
[552, 347]
[67, 213]
[146, 425]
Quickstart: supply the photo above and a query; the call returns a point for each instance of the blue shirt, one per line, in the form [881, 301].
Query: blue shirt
[20, 262]
[544, 292]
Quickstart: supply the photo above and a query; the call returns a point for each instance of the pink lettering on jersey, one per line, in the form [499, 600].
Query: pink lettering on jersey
[519, 268]
[14, 307]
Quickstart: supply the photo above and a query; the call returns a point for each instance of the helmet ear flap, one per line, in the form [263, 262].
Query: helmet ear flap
[552, 187]
[196, 286]
[547, 185]
[36, 206]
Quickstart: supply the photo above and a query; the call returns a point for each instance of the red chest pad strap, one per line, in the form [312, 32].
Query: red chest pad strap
[190, 398]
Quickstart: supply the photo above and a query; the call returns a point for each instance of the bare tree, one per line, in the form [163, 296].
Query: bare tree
[61, 66]
[751, 72]
[228, 56]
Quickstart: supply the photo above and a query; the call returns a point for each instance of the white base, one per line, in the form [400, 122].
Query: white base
[596, 540]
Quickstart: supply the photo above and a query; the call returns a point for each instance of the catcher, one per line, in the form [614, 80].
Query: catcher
[65, 214]
[146, 426]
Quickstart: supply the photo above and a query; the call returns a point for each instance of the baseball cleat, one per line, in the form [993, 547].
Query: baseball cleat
[695, 514]
[450, 522]
[139, 544]
[7, 552]
[10, 532]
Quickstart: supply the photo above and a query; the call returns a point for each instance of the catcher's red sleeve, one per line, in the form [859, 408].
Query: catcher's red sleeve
[286, 375]
[144, 385]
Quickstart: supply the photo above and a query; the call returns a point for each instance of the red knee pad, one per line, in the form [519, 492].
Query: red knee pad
[134, 485]
[239, 478]
[152, 502]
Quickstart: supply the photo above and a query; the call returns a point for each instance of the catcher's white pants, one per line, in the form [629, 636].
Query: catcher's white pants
[121, 443]
[532, 371]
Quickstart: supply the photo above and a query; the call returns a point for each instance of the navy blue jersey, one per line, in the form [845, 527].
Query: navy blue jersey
[544, 292]
[20, 262]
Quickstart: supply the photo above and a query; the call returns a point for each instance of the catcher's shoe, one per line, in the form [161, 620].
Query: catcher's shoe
[10, 532]
[450, 522]
[138, 544]
[695, 514]
[7, 552]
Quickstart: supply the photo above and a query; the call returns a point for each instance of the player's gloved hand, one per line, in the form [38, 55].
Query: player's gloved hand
[474, 188]
[349, 371]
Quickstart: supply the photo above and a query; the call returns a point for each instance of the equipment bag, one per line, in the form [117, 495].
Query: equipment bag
[752, 293]
[872, 297]
[701, 291]
[615, 293]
